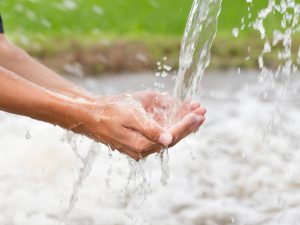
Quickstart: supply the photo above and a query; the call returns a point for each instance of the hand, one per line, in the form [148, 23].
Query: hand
[122, 123]
[137, 124]
[186, 119]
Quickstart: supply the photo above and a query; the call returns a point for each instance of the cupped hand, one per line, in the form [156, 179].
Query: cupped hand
[179, 118]
[122, 123]
[139, 124]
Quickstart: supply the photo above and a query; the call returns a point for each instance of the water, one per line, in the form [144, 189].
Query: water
[198, 37]
[164, 163]
[83, 174]
[27, 135]
[249, 174]
[233, 174]
[279, 39]
[194, 58]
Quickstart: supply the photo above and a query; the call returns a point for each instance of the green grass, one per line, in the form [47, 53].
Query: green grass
[67, 19]
[47, 27]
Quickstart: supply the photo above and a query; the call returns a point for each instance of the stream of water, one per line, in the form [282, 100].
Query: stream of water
[198, 37]
[194, 58]
[197, 40]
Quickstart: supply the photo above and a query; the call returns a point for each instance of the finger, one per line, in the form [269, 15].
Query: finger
[139, 143]
[196, 129]
[184, 127]
[156, 133]
[150, 129]
[123, 149]
[194, 106]
[153, 151]
[192, 129]
[200, 111]
[153, 148]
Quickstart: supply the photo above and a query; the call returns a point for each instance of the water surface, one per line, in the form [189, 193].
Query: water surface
[236, 170]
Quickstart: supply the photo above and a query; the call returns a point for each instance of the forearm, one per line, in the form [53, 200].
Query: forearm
[22, 97]
[18, 61]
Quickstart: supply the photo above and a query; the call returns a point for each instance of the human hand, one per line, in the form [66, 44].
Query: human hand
[180, 121]
[137, 124]
[122, 123]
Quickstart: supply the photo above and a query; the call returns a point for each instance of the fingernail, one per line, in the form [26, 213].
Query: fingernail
[165, 139]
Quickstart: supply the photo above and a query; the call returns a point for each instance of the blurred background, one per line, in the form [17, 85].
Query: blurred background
[126, 35]
[242, 167]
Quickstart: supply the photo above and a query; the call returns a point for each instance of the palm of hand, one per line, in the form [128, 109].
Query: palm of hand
[127, 125]
[179, 119]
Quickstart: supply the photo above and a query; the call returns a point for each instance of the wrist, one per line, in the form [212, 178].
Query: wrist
[68, 112]
[80, 94]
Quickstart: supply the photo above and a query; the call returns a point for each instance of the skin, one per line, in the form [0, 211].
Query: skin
[131, 123]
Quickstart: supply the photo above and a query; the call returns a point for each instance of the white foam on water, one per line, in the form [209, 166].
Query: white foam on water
[238, 173]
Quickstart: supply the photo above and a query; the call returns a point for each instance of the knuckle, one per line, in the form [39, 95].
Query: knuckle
[152, 132]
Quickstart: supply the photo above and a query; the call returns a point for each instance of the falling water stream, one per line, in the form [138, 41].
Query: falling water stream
[198, 37]
[197, 40]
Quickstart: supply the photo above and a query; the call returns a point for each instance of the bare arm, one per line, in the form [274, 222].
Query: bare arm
[106, 121]
[28, 88]
[22, 97]
[18, 61]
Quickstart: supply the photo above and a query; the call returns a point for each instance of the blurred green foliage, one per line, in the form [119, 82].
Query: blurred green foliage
[112, 18]
[78, 27]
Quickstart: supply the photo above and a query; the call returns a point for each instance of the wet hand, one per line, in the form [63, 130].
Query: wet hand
[122, 123]
[185, 120]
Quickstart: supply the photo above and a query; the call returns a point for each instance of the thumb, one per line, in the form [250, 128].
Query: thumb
[152, 131]
[156, 133]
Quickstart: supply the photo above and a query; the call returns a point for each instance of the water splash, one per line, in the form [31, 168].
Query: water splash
[164, 163]
[71, 139]
[138, 186]
[194, 58]
[83, 174]
[279, 39]
[28, 135]
[198, 37]
[109, 170]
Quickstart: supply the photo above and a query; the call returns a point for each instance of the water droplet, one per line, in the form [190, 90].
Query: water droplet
[164, 74]
[235, 32]
[167, 68]
[27, 135]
